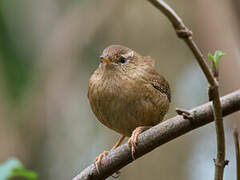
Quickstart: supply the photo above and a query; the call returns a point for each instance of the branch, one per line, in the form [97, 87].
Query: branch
[236, 142]
[184, 33]
[158, 135]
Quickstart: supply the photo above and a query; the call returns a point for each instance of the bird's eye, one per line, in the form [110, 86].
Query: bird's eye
[122, 59]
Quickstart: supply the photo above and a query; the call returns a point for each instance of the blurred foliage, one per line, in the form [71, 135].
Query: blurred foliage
[14, 168]
[16, 64]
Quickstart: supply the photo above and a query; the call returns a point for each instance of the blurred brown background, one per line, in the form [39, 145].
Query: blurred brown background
[49, 49]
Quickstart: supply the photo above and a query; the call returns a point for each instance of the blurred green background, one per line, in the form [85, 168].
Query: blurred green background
[50, 48]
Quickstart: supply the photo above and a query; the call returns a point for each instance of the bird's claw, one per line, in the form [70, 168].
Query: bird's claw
[133, 142]
[100, 157]
[133, 146]
[98, 163]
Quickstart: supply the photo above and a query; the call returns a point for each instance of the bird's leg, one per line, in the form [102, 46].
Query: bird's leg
[133, 140]
[105, 153]
[118, 143]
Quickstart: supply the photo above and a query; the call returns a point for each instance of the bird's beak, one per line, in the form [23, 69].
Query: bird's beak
[105, 59]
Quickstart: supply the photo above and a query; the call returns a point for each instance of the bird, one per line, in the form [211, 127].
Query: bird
[127, 94]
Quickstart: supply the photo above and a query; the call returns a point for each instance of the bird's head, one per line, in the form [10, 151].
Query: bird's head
[119, 57]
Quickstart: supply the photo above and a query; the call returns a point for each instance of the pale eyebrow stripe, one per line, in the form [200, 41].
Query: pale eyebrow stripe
[130, 54]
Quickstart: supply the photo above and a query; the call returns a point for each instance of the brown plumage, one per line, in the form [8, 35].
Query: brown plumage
[126, 92]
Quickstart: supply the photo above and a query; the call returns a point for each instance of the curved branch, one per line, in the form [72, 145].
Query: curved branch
[184, 33]
[158, 135]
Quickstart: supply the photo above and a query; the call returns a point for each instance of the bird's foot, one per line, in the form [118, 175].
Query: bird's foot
[100, 157]
[98, 163]
[133, 140]
[105, 153]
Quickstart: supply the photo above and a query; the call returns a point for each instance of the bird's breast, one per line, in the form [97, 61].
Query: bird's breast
[122, 105]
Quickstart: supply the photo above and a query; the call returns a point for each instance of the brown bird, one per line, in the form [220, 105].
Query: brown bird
[127, 94]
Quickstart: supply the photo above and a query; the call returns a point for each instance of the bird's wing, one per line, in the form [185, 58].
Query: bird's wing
[159, 83]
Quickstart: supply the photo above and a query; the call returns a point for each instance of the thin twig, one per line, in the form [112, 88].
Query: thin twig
[184, 33]
[158, 135]
[220, 161]
[236, 142]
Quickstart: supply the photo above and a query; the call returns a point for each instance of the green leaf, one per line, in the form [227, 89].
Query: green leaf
[12, 168]
[215, 59]
[210, 56]
[31, 175]
[7, 167]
